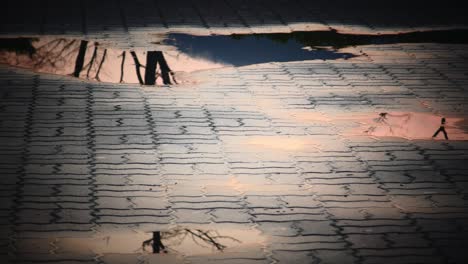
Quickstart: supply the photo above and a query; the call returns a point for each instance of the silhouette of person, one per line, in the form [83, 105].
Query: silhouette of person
[441, 129]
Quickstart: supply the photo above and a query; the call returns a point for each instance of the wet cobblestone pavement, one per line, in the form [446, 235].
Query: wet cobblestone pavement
[267, 163]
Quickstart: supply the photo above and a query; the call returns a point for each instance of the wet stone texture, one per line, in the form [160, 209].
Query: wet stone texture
[89, 170]
[267, 163]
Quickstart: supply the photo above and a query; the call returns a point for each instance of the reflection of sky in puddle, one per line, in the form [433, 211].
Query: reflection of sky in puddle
[246, 49]
[249, 49]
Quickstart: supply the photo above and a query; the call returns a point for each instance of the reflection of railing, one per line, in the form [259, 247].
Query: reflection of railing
[203, 238]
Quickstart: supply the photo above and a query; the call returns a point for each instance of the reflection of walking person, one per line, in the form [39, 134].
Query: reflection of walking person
[441, 129]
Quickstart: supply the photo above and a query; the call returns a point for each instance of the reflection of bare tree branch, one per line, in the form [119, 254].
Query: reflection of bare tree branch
[70, 52]
[137, 66]
[198, 236]
[65, 47]
[165, 70]
[45, 56]
[122, 67]
[174, 78]
[51, 54]
[80, 58]
[152, 59]
[100, 65]
[196, 241]
[206, 238]
[48, 44]
[93, 57]
[155, 242]
[60, 56]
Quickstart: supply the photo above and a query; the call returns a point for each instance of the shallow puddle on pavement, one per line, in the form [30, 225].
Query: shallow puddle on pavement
[170, 61]
[172, 57]
[185, 241]
[247, 49]
[283, 143]
[414, 126]
[272, 144]
[101, 62]
[409, 125]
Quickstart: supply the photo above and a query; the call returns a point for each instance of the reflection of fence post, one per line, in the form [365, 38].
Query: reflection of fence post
[80, 58]
[150, 72]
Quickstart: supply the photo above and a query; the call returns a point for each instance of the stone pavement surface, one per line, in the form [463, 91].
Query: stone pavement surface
[83, 160]
[89, 170]
[125, 21]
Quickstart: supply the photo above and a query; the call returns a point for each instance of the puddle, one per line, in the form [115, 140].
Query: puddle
[242, 50]
[282, 143]
[174, 56]
[413, 126]
[409, 125]
[100, 62]
[185, 241]
[272, 144]
[246, 49]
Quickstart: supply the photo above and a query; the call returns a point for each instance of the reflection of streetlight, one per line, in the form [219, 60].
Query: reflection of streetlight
[200, 237]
